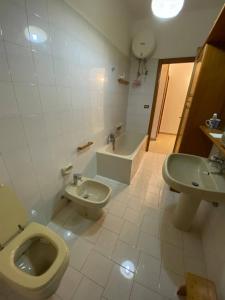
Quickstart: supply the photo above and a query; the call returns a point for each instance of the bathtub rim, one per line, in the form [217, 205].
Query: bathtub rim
[102, 150]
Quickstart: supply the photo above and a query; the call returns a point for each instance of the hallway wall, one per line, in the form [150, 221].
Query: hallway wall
[179, 79]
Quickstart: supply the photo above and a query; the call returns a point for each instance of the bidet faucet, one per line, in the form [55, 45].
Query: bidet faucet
[220, 164]
[76, 178]
[111, 139]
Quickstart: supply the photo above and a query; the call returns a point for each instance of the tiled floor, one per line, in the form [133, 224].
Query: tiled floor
[164, 143]
[133, 252]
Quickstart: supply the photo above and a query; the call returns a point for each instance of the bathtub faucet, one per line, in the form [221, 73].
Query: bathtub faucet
[112, 139]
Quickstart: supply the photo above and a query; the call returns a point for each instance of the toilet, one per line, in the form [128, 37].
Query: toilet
[33, 258]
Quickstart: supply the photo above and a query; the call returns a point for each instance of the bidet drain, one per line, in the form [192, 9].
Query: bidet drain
[194, 183]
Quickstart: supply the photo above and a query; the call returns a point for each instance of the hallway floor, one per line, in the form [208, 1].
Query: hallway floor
[133, 252]
[164, 143]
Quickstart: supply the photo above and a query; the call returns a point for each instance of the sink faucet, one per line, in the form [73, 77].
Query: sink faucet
[219, 163]
[76, 178]
[112, 139]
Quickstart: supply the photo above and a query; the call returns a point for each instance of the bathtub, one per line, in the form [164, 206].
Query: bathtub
[123, 163]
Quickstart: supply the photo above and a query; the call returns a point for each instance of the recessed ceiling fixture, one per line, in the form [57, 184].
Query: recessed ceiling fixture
[167, 9]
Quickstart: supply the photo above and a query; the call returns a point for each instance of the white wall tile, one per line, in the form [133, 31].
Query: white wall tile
[137, 116]
[21, 3]
[62, 72]
[61, 44]
[20, 63]
[13, 21]
[38, 8]
[21, 172]
[57, 12]
[4, 69]
[8, 104]
[12, 136]
[44, 68]
[55, 96]
[28, 98]
[35, 129]
[53, 124]
[49, 98]
[42, 159]
[4, 175]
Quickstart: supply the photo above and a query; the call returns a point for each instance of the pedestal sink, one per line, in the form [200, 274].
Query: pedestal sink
[191, 176]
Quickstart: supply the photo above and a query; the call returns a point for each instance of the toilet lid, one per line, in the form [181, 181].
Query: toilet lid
[12, 214]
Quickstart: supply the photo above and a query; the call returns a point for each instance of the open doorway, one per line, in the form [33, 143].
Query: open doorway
[173, 80]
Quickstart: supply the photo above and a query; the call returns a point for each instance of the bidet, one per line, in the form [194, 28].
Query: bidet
[89, 196]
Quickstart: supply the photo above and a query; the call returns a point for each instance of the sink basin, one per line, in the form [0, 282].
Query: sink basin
[191, 176]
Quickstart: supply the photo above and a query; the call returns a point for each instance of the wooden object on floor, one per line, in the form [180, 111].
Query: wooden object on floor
[198, 288]
[216, 142]
[123, 81]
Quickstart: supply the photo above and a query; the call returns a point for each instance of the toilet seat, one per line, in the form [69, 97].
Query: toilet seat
[10, 272]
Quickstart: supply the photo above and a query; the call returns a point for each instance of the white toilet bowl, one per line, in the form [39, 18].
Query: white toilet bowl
[33, 258]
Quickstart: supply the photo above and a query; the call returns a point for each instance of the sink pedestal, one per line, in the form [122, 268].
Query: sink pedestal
[185, 211]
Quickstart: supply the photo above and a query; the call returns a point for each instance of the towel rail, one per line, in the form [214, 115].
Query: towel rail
[80, 148]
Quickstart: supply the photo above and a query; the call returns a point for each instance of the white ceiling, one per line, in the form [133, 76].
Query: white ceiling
[140, 8]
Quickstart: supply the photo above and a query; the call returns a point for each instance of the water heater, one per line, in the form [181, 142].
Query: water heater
[143, 44]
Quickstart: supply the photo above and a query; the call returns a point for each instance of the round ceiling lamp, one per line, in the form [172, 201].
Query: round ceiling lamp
[167, 9]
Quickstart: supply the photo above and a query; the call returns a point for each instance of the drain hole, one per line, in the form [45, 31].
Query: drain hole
[195, 183]
[86, 196]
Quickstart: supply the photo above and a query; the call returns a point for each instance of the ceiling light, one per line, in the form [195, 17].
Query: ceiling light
[167, 8]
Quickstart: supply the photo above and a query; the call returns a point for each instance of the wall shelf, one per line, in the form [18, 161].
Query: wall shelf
[123, 81]
[216, 142]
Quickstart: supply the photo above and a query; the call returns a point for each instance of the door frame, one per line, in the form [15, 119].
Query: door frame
[175, 60]
[163, 102]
